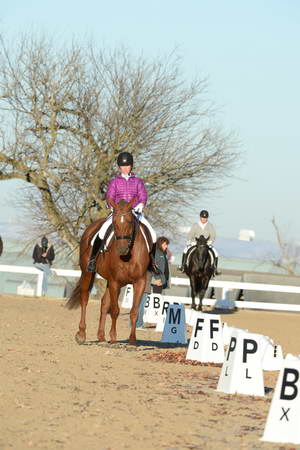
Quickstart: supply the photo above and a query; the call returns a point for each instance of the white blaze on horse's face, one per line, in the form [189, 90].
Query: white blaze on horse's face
[122, 219]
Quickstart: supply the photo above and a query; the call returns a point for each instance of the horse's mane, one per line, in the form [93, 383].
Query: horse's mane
[122, 203]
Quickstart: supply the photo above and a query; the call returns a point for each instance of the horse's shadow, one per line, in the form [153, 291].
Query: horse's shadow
[141, 344]
[221, 311]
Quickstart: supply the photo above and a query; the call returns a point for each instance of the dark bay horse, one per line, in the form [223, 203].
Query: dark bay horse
[126, 261]
[199, 269]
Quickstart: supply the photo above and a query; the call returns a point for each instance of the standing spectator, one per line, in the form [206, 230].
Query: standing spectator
[43, 257]
[161, 281]
[1, 246]
[147, 291]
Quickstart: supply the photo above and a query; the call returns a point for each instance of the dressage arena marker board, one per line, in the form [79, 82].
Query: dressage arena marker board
[273, 357]
[206, 343]
[128, 296]
[175, 329]
[283, 419]
[242, 369]
[153, 308]
[227, 332]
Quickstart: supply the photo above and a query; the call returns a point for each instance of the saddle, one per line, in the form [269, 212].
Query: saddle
[106, 243]
[147, 236]
[191, 251]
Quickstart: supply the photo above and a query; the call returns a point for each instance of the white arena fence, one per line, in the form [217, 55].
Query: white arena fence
[225, 286]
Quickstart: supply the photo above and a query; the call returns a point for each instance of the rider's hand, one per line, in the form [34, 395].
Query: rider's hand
[139, 208]
[157, 282]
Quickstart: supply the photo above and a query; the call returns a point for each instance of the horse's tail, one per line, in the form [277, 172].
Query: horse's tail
[74, 300]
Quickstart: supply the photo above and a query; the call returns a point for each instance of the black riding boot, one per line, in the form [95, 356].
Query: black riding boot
[216, 272]
[97, 246]
[183, 261]
[153, 266]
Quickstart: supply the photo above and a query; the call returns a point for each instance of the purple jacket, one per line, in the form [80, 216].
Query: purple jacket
[121, 189]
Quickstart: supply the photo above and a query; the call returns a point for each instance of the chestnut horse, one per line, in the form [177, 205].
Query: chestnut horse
[125, 262]
[199, 269]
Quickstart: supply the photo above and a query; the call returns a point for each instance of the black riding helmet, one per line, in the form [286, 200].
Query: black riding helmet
[44, 242]
[204, 213]
[125, 159]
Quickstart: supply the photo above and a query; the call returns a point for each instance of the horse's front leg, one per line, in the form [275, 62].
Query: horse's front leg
[201, 296]
[138, 290]
[193, 292]
[204, 286]
[114, 291]
[104, 309]
[202, 291]
[84, 284]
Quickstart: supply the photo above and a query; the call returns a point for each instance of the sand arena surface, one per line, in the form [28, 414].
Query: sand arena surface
[56, 394]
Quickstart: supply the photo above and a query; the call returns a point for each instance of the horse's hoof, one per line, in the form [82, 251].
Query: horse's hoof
[132, 342]
[79, 339]
[101, 340]
[113, 342]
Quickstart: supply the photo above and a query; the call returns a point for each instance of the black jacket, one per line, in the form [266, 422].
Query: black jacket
[38, 258]
[161, 260]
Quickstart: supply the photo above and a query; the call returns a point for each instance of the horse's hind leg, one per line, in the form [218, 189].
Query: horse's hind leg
[104, 309]
[84, 298]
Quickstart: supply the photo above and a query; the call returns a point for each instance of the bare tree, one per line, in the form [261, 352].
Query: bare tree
[66, 113]
[289, 257]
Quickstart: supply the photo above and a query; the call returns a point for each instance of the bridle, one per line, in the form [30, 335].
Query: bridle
[200, 247]
[129, 237]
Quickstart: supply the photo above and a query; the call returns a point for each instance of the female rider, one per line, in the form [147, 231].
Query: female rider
[124, 186]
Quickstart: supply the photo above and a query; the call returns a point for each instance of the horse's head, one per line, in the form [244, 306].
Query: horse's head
[202, 250]
[123, 224]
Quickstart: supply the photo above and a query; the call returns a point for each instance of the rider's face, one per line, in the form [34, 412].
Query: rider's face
[125, 169]
[203, 219]
[164, 246]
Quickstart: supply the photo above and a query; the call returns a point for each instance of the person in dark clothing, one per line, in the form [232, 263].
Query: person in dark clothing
[161, 281]
[43, 256]
[1, 246]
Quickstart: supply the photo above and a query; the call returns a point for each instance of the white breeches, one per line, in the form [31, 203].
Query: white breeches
[142, 219]
[145, 222]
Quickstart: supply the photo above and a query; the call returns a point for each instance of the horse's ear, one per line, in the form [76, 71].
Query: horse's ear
[112, 203]
[207, 239]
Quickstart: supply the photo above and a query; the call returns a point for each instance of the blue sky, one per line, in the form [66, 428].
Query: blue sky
[248, 50]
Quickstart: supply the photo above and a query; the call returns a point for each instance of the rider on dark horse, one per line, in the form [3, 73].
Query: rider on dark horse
[124, 186]
[206, 229]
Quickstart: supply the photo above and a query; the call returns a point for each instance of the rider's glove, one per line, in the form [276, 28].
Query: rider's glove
[139, 208]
